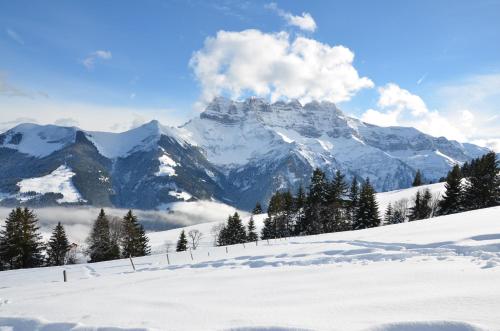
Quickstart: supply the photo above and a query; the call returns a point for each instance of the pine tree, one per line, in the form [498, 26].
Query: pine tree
[389, 215]
[268, 231]
[367, 215]
[335, 219]
[20, 241]
[134, 240]
[182, 242]
[58, 246]
[258, 209]
[235, 231]
[9, 239]
[417, 207]
[452, 198]
[101, 246]
[483, 187]
[417, 181]
[299, 210]
[426, 210]
[315, 211]
[353, 202]
[421, 205]
[251, 233]
[339, 187]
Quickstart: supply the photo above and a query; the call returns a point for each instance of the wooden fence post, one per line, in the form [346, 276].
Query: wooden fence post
[168, 259]
[191, 253]
[226, 249]
[132, 262]
[64, 276]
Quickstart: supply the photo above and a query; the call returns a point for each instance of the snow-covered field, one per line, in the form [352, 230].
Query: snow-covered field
[436, 274]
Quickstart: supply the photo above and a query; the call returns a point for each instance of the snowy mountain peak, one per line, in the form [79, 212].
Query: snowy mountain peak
[37, 140]
[142, 138]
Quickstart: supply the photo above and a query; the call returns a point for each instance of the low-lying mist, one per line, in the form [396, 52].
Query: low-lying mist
[78, 220]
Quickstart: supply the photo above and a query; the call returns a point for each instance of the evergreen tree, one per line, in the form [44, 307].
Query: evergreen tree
[389, 215]
[452, 198]
[101, 246]
[251, 233]
[299, 210]
[9, 241]
[417, 207]
[336, 219]
[268, 231]
[315, 211]
[258, 209]
[134, 240]
[339, 187]
[182, 242]
[58, 246]
[281, 215]
[483, 187]
[426, 204]
[353, 201]
[421, 205]
[20, 241]
[417, 181]
[234, 231]
[367, 215]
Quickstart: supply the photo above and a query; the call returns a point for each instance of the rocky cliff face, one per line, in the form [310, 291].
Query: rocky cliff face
[275, 146]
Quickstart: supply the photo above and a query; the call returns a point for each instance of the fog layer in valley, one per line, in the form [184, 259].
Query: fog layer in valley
[78, 220]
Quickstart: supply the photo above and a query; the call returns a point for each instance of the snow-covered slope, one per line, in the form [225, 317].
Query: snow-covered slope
[143, 138]
[37, 140]
[275, 146]
[58, 181]
[147, 167]
[236, 152]
[437, 274]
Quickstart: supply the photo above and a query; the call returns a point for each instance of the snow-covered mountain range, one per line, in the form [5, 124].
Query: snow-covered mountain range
[236, 152]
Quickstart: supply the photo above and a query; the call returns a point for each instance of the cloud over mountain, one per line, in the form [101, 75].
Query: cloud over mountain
[275, 66]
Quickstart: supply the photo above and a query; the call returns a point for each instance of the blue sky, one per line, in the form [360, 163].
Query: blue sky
[430, 64]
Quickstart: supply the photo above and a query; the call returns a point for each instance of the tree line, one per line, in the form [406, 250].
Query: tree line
[474, 185]
[21, 244]
[327, 206]
[334, 205]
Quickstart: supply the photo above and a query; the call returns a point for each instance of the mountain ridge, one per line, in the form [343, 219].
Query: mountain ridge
[238, 152]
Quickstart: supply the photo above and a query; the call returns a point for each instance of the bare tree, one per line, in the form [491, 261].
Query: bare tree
[168, 246]
[194, 238]
[400, 211]
[434, 204]
[215, 232]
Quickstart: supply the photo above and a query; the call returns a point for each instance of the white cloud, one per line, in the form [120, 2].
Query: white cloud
[392, 96]
[89, 61]
[274, 65]
[492, 143]
[84, 115]
[66, 122]
[480, 94]
[304, 22]
[400, 107]
[15, 36]
[379, 118]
